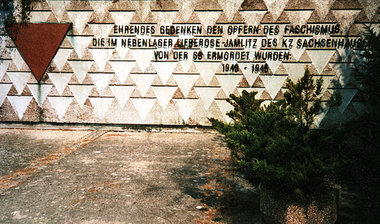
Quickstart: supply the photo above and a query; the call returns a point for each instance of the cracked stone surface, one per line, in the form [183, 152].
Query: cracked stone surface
[124, 177]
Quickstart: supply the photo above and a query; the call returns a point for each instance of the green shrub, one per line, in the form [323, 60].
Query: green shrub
[362, 136]
[274, 145]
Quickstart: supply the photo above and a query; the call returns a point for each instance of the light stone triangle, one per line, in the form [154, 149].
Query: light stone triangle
[370, 7]
[252, 17]
[101, 106]
[4, 89]
[4, 64]
[142, 7]
[323, 7]
[80, 69]
[60, 80]
[60, 104]
[297, 52]
[122, 94]
[19, 80]
[320, 58]
[80, 43]
[164, 69]
[186, 82]
[61, 57]
[101, 30]
[208, 18]
[58, 8]
[207, 70]
[185, 107]
[122, 51]
[79, 19]
[347, 96]
[230, 7]
[186, 8]
[40, 92]
[249, 75]
[164, 18]
[100, 7]
[143, 82]
[101, 56]
[273, 65]
[19, 104]
[273, 84]
[122, 17]
[295, 70]
[299, 17]
[17, 58]
[39, 16]
[345, 18]
[276, 7]
[206, 95]
[224, 107]
[143, 106]
[164, 94]
[143, 57]
[186, 64]
[122, 69]
[81, 93]
[101, 80]
[229, 82]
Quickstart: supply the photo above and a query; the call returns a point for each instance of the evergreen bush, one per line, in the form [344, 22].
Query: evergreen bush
[274, 145]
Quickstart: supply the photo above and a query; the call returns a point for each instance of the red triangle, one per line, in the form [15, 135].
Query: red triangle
[38, 43]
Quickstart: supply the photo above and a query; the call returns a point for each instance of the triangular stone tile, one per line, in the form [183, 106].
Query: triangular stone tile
[61, 57]
[60, 105]
[224, 107]
[164, 70]
[229, 82]
[253, 17]
[79, 19]
[80, 44]
[164, 94]
[4, 89]
[320, 58]
[20, 104]
[186, 82]
[345, 18]
[207, 70]
[122, 94]
[143, 106]
[40, 92]
[185, 107]
[208, 18]
[19, 80]
[122, 17]
[81, 93]
[60, 80]
[101, 105]
[273, 84]
[207, 95]
[322, 7]
[143, 82]
[58, 8]
[81, 68]
[101, 81]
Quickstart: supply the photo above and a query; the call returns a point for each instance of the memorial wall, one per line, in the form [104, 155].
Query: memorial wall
[175, 62]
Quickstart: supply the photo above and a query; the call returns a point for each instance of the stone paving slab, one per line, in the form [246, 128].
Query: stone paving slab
[123, 177]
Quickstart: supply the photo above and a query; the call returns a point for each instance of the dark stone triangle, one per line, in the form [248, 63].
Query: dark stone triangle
[38, 43]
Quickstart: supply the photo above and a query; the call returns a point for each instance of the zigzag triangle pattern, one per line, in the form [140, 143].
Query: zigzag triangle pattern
[116, 83]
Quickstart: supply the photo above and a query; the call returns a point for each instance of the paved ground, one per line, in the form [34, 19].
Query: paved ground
[52, 176]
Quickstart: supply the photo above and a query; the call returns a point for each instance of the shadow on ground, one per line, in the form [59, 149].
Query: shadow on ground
[226, 196]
